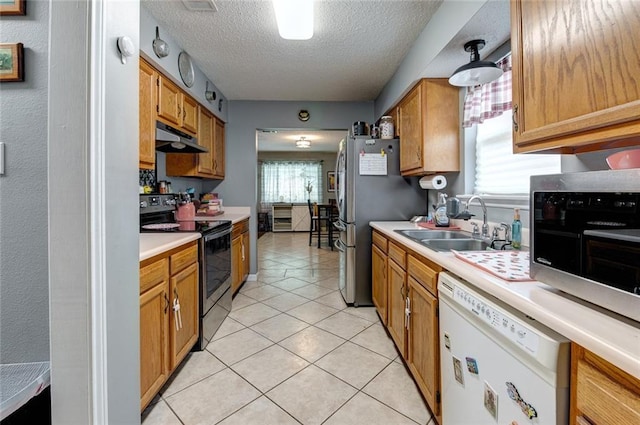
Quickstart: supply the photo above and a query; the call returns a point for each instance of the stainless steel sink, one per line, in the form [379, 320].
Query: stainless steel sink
[457, 244]
[421, 235]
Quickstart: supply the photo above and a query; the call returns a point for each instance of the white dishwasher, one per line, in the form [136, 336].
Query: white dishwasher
[498, 365]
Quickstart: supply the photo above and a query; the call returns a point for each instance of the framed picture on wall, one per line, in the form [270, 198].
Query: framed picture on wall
[331, 181]
[13, 7]
[11, 62]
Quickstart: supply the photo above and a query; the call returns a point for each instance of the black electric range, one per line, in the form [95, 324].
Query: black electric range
[157, 215]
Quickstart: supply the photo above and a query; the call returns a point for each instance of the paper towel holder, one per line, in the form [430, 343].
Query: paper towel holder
[437, 181]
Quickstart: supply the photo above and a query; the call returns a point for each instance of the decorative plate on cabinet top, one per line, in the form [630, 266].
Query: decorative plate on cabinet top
[185, 66]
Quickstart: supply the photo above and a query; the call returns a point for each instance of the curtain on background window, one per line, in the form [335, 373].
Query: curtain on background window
[289, 181]
[491, 99]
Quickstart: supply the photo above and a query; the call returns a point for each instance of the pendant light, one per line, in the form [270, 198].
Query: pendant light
[303, 144]
[476, 72]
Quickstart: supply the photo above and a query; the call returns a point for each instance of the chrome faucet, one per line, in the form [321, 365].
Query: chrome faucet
[466, 215]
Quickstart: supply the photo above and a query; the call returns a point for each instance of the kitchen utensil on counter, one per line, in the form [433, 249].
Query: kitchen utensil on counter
[624, 159]
[186, 209]
[160, 47]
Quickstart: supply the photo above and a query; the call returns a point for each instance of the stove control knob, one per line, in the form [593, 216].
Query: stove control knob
[143, 204]
[170, 202]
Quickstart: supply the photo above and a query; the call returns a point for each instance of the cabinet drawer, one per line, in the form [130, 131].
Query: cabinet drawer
[596, 395]
[423, 274]
[154, 273]
[183, 258]
[379, 241]
[397, 254]
[239, 228]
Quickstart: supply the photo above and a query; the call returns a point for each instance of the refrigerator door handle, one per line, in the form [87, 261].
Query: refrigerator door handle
[340, 226]
[340, 246]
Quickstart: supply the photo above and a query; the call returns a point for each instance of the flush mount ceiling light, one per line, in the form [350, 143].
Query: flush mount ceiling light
[303, 144]
[294, 18]
[476, 71]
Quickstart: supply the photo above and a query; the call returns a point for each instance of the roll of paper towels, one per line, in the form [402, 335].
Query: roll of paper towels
[437, 182]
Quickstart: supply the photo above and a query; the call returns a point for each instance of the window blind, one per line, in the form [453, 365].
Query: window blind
[498, 170]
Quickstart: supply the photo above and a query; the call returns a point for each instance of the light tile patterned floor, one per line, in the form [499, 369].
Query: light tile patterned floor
[292, 352]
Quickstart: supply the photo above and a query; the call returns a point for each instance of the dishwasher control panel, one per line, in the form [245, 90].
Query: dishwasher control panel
[498, 320]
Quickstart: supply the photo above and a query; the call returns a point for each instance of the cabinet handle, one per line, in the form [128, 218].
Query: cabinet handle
[407, 312]
[515, 122]
[242, 245]
[184, 114]
[166, 303]
[179, 111]
[419, 155]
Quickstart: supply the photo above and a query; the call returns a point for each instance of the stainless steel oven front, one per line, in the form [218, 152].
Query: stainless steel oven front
[215, 281]
[585, 236]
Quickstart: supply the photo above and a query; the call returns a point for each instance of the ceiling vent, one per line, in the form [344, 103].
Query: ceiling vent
[200, 5]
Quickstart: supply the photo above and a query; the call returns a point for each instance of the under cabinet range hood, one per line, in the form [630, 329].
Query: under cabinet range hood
[170, 140]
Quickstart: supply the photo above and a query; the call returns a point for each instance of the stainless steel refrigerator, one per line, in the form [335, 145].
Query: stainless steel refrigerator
[369, 187]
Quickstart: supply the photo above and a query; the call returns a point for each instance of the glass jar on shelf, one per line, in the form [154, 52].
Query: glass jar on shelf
[386, 127]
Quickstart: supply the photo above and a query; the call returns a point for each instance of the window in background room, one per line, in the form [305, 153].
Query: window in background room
[498, 170]
[291, 181]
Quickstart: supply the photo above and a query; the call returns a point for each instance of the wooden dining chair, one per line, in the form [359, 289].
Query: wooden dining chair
[320, 225]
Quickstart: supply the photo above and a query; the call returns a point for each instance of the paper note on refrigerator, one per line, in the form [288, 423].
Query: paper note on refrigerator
[373, 164]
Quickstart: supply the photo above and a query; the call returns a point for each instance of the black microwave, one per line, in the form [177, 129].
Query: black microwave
[585, 236]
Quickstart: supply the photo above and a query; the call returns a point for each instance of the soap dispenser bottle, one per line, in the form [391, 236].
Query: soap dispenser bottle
[441, 217]
[516, 230]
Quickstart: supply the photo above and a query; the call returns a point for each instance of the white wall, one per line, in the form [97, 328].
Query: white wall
[24, 286]
[239, 187]
[94, 242]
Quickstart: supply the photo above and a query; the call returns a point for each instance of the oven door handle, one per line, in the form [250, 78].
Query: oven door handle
[216, 235]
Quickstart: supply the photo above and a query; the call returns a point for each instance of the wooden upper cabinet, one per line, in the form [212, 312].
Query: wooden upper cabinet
[175, 107]
[218, 149]
[575, 75]
[147, 116]
[205, 138]
[206, 165]
[428, 122]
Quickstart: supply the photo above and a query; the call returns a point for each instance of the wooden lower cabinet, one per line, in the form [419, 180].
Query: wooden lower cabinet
[423, 356]
[396, 297]
[154, 341]
[184, 330]
[240, 254]
[379, 282]
[410, 306]
[601, 393]
[166, 335]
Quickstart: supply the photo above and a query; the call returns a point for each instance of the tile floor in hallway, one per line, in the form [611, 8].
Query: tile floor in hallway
[292, 352]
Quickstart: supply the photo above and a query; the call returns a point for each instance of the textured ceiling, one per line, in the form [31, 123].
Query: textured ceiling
[355, 49]
[270, 140]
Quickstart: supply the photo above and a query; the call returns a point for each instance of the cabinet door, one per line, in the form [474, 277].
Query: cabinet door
[237, 266]
[184, 288]
[246, 262]
[189, 114]
[218, 149]
[422, 343]
[379, 281]
[205, 138]
[396, 297]
[154, 341]
[169, 99]
[601, 392]
[410, 117]
[147, 116]
[575, 75]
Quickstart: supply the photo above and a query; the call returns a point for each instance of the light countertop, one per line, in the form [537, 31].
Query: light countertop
[235, 214]
[152, 244]
[612, 337]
